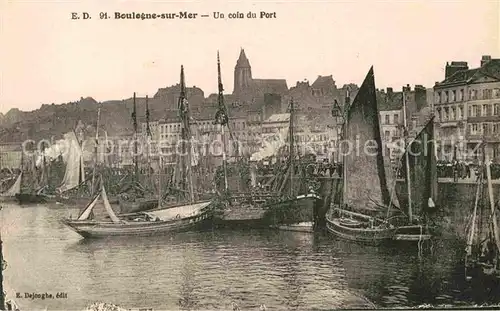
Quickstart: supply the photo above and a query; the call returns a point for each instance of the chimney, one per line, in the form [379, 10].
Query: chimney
[389, 91]
[454, 67]
[420, 97]
[485, 59]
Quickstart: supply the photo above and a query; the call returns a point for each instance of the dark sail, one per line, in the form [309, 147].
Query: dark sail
[422, 162]
[366, 184]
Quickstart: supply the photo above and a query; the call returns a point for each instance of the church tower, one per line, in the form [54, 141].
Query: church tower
[242, 75]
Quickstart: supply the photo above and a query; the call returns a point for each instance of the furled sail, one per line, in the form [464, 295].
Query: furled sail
[15, 189]
[74, 174]
[366, 184]
[422, 162]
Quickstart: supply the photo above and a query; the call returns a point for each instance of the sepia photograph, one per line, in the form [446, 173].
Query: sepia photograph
[249, 155]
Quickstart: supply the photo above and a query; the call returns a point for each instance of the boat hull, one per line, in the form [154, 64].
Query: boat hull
[289, 214]
[30, 198]
[93, 229]
[293, 213]
[8, 199]
[337, 226]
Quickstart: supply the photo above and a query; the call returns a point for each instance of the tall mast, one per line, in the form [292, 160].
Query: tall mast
[160, 173]
[343, 135]
[148, 136]
[472, 232]
[136, 162]
[222, 119]
[2, 267]
[407, 163]
[292, 147]
[22, 169]
[186, 134]
[494, 219]
[95, 148]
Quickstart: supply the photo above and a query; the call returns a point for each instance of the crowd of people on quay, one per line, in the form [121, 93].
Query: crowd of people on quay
[462, 170]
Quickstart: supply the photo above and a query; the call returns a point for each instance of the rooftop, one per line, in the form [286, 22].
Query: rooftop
[490, 68]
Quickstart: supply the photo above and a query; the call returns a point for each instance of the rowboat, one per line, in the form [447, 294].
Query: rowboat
[155, 222]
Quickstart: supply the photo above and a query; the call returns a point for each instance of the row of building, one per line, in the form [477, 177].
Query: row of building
[466, 105]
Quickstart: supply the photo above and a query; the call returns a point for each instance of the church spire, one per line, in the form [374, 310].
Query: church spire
[242, 60]
[242, 75]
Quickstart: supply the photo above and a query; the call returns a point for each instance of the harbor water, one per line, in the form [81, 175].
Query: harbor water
[216, 269]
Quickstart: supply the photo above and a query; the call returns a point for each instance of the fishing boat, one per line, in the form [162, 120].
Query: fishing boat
[420, 178]
[365, 199]
[72, 190]
[10, 194]
[288, 207]
[34, 193]
[187, 214]
[297, 207]
[136, 198]
[482, 259]
[154, 222]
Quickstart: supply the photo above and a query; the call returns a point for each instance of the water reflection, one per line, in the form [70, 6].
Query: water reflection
[213, 269]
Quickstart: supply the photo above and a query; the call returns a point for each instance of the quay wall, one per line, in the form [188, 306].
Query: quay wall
[455, 202]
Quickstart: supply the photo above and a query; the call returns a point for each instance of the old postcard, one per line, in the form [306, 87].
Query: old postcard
[249, 155]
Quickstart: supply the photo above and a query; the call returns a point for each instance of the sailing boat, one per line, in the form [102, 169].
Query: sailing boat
[365, 188]
[149, 223]
[419, 161]
[482, 260]
[294, 209]
[35, 192]
[74, 176]
[285, 208]
[140, 201]
[179, 217]
[10, 194]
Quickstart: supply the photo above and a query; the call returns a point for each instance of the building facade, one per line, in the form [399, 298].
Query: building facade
[467, 108]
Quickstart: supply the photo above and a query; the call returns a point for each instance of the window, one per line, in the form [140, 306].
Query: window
[485, 128]
[473, 94]
[487, 94]
[469, 112]
[438, 97]
[445, 114]
[396, 118]
[460, 112]
[438, 113]
[461, 95]
[475, 111]
[453, 96]
[496, 127]
[485, 111]
[387, 119]
[496, 109]
[496, 93]
[445, 96]
[473, 128]
[452, 113]
[387, 134]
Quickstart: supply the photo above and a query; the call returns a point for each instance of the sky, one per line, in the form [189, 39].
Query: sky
[46, 57]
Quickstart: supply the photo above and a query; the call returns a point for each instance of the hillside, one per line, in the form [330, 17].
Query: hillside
[54, 120]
